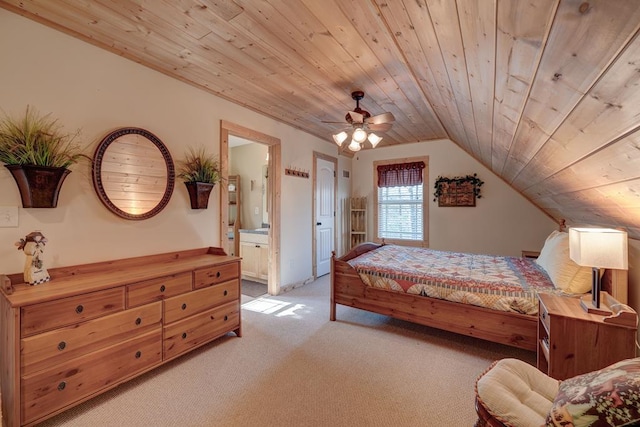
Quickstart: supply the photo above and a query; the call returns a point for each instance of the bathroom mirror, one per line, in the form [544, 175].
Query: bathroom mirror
[133, 173]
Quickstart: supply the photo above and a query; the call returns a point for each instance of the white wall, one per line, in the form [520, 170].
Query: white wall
[89, 88]
[502, 222]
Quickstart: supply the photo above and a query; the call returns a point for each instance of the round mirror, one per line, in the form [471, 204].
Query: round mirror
[133, 173]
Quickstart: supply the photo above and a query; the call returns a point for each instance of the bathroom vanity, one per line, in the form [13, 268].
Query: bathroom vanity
[254, 251]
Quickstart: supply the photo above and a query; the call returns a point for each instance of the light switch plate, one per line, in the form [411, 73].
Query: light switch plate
[8, 216]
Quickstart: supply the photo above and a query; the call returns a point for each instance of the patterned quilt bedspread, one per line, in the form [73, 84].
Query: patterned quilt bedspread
[495, 282]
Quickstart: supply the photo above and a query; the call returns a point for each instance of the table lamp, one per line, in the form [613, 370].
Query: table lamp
[598, 248]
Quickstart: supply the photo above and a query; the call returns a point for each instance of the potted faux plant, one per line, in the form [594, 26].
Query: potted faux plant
[200, 173]
[38, 154]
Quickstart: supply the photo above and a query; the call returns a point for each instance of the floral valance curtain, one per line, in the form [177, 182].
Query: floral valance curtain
[400, 174]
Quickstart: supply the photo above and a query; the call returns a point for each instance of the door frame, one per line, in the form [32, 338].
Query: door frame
[273, 184]
[334, 160]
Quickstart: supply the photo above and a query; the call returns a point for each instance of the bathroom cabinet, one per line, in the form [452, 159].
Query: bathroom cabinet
[254, 251]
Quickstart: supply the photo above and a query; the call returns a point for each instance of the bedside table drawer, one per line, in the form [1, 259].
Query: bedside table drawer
[544, 317]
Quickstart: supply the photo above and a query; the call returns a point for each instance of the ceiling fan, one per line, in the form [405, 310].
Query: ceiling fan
[363, 124]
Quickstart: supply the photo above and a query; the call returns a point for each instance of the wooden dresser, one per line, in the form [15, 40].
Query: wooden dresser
[95, 326]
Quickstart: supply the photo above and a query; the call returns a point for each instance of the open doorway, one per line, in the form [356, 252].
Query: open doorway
[271, 185]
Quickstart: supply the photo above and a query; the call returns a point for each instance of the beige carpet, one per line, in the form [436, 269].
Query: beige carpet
[293, 367]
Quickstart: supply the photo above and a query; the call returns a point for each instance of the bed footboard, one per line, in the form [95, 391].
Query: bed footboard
[344, 273]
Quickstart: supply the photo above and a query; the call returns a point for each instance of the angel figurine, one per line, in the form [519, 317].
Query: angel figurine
[33, 247]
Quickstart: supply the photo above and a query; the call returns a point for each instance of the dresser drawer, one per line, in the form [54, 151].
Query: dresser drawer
[157, 289]
[185, 305]
[50, 348]
[67, 311]
[186, 334]
[49, 390]
[218, 274]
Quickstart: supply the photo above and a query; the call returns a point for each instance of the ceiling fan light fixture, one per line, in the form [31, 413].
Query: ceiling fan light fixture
[359, 135]
[339, 138]
[354, 145]
[361, 123]
[374, 139]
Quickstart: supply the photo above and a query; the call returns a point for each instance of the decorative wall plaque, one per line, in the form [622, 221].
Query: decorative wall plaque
[457, 191]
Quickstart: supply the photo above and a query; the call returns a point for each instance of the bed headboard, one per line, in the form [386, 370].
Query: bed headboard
[616, 284]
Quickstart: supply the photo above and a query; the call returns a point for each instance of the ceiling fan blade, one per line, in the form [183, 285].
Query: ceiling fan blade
[339, 123]
[381, 118]
[380, 127]
[356, 117]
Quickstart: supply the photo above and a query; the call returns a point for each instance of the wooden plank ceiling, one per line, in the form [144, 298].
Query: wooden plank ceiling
[545, 93]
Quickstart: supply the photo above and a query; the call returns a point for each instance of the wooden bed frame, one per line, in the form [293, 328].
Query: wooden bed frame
[514, 329]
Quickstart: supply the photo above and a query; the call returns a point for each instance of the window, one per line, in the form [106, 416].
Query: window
[401, 209]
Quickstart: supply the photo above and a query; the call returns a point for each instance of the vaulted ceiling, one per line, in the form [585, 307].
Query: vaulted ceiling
[545, 93]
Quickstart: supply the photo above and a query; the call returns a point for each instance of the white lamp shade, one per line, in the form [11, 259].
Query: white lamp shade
[359, 135]
[374, 139]
[339, 138]
[354, 145]
[599, 247]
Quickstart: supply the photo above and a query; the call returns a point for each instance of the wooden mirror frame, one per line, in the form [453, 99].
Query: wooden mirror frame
[98, 178]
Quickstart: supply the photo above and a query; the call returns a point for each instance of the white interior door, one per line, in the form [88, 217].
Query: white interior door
[325, 218]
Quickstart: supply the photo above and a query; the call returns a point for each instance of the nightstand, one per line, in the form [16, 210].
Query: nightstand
[573, 342]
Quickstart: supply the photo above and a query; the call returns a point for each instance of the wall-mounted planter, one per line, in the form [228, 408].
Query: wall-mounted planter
[199, 194]
[39, 186]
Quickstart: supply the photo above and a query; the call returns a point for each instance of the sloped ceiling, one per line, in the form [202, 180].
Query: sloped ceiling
[545, 93]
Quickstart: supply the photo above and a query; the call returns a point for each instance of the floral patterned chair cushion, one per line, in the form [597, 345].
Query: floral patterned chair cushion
[608, 397]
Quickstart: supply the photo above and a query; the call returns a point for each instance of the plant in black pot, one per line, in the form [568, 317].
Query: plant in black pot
[38, 153]
[200, 173]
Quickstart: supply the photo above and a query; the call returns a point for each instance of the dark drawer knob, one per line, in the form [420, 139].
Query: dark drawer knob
[226, 318]
[184, 306]
[79, 309]
[184, 335]
[218, 274]
[62, 345]
[225, 292]
[62, 386]
[138, 354]
[163, 288]
[138, 321]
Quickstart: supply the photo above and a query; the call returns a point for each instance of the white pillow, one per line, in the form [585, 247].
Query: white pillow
[564, 273]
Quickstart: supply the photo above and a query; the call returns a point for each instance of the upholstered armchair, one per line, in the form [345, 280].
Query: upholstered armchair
[513, 393]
